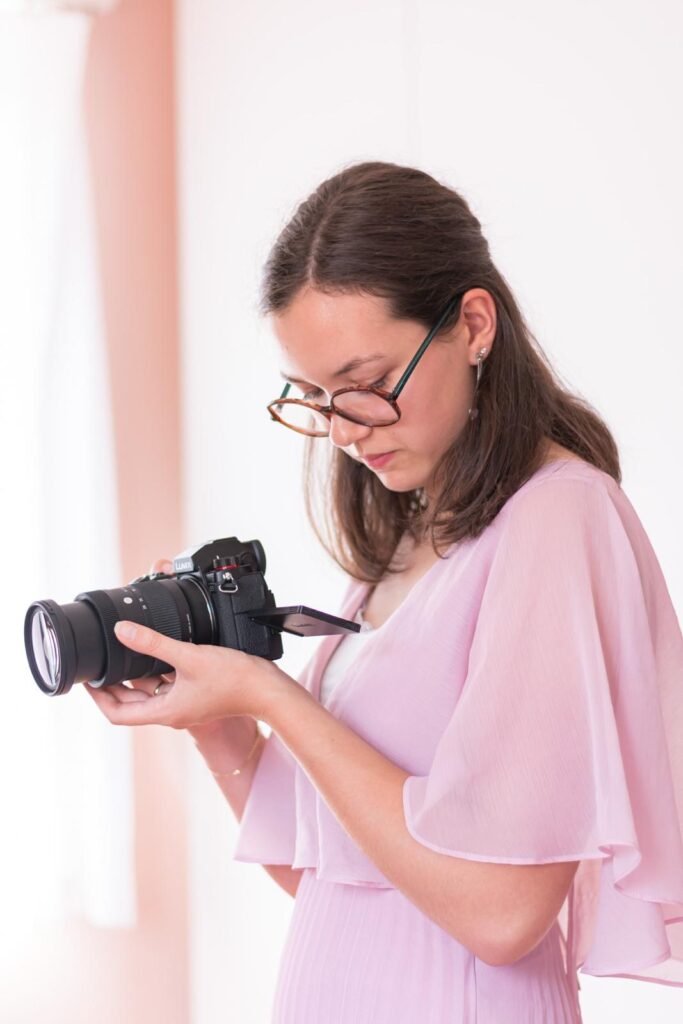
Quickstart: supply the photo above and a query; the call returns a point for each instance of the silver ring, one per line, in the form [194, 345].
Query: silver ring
[159, 685]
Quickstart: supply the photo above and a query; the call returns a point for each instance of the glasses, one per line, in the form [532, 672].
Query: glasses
[368, 405]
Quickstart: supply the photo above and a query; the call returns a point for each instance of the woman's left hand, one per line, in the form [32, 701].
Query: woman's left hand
[210, 683]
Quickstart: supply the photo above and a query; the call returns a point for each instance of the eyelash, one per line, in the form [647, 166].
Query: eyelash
[310, 396]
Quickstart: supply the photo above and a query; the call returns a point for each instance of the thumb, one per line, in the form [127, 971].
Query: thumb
[149, 641]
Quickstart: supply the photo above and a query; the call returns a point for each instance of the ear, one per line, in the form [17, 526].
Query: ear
[478, 312]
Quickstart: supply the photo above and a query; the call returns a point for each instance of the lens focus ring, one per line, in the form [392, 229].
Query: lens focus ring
[165, 615]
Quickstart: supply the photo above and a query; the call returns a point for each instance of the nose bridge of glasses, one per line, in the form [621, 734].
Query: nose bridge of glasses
[343, 427]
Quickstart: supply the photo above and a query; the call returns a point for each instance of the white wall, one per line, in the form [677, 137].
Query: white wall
[561, 126]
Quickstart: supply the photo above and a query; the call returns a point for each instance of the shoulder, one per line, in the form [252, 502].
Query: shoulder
[568, 492]
[568, 519]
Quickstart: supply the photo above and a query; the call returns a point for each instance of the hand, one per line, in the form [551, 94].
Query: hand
[210, 683]
[150, 683]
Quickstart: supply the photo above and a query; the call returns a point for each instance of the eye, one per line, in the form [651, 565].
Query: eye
[316, 393]
[310, 395]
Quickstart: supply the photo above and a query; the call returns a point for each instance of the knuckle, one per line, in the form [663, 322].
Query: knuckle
[153, 643]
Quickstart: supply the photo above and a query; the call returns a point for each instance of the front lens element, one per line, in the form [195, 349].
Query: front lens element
[45, 650]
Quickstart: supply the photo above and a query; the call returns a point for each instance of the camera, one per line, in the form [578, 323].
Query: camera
[216, 594]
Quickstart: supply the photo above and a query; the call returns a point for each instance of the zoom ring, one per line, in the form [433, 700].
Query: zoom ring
[163, 610]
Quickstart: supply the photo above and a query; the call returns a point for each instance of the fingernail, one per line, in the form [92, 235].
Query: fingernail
[126, 630]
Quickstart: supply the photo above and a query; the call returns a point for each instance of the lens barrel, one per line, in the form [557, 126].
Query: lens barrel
[76, 643]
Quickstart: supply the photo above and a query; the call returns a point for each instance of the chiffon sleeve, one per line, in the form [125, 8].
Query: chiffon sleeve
[566, 741]
[282, 817]
[267, 831]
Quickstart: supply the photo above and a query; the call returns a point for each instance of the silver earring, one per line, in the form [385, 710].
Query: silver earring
[474, 412]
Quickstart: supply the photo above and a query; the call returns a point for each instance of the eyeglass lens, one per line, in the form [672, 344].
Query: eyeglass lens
[362, 406]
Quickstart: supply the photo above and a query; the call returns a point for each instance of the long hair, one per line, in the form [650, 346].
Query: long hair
[396, 232]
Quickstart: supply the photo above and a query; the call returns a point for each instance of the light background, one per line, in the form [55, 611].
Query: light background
[561, 125]
[208, 121]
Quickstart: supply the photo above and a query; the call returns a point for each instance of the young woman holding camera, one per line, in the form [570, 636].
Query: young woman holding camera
[481, 792]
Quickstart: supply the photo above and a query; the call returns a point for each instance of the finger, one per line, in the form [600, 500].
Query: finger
[157, 686]
[139, 690]
[126, 694]
[161, 689]
[121, 693]
[140, 712]
[162, 565]
[157, 645]
[148, 684]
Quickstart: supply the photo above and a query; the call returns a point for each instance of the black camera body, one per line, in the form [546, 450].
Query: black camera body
[216, 594]
[230, 577]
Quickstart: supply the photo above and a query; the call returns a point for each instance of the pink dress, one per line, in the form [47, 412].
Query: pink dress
[531, 683]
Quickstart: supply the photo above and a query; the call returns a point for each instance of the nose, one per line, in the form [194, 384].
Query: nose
[344, 432]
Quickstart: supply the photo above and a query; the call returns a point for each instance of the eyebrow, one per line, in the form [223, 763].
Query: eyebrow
[353, 364]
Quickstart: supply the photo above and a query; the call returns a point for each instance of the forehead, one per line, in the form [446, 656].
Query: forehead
[326, 337]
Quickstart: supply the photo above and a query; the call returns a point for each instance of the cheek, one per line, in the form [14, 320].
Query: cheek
[432, 417]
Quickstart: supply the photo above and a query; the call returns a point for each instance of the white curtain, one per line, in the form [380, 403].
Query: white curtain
[67, 786]
[50, 6]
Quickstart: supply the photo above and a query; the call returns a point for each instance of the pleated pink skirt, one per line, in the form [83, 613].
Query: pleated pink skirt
[357, 954]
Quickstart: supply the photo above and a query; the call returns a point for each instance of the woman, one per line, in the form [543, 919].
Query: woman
[482, 790]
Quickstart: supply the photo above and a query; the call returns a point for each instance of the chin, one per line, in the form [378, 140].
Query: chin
[401, 486]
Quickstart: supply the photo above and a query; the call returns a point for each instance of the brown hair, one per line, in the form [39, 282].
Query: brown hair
[395, 232]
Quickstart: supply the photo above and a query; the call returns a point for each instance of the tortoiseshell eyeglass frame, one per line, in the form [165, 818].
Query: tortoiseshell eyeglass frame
[388, 396]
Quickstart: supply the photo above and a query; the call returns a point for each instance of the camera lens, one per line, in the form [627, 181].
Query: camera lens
[76, 643]
[45, 648]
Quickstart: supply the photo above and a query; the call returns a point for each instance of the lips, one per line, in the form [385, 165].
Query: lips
[377, 460]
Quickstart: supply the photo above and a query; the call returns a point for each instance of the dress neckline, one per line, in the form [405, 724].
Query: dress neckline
[366, 587]
[358, 597]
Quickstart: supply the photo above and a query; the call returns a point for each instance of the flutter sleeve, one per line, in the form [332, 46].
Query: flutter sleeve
[267, 832]
[566, 742]
[284, 821]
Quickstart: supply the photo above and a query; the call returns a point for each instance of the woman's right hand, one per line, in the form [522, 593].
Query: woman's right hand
[149, 683]
[208, 735]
